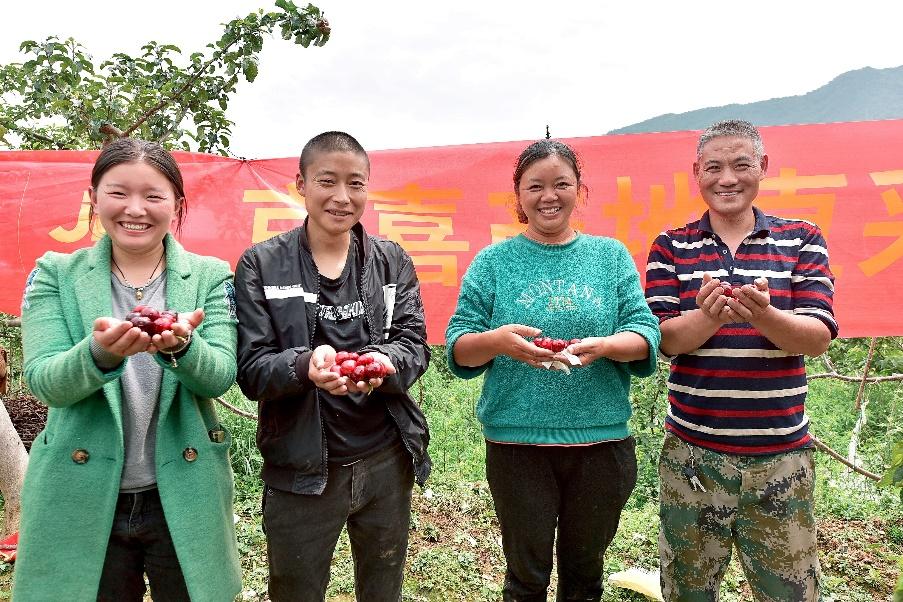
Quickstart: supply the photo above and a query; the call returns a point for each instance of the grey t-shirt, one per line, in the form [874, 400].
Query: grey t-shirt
[140, 386]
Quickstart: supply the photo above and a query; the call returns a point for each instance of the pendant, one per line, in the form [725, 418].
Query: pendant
[139, 294]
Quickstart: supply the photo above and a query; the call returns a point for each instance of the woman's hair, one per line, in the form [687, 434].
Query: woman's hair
[132, 150]
[539, 150]
[330, 142]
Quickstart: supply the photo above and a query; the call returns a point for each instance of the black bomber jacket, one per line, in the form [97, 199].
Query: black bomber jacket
[276, 290]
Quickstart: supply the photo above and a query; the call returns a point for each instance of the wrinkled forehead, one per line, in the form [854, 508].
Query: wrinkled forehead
[728, 148]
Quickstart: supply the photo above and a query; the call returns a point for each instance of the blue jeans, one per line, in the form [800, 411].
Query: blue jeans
[579, 492]
[140, 542]
[373, 496]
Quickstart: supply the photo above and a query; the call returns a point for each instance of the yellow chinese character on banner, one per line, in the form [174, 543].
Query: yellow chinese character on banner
[292, 209]
[500, 232]
[893, 229]
[82, 224]
[653, 217]
[411, 217]
[813, 207]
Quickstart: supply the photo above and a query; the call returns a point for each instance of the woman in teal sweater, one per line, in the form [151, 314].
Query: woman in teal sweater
[131, 474]
[558, 452]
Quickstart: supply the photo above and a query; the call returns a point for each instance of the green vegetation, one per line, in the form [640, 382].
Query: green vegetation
[58, 98]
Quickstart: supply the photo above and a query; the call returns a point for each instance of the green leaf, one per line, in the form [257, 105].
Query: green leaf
[249, 66]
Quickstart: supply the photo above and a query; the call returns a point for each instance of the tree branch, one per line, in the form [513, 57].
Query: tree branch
[176, 95]
[843, 460]
[235, 410]
[172, 126]
[13, 128]
[111, 131]
[865, 371]
[856, 379]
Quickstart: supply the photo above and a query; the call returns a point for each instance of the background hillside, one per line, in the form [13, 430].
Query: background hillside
[860, 95]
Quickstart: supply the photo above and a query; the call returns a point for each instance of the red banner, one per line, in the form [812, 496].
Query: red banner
[444, 204]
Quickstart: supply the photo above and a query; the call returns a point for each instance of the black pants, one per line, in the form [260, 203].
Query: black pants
[140, 542]
[373, 496]
[580, 490]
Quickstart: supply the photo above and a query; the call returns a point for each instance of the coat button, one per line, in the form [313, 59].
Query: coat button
[190, 454]
[80, 456]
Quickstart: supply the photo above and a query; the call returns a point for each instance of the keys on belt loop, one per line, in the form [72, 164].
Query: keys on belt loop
[689, 471]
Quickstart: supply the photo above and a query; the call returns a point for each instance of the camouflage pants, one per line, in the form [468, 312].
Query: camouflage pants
[760, 504]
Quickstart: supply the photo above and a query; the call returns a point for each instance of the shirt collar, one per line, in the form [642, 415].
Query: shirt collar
[761, 225]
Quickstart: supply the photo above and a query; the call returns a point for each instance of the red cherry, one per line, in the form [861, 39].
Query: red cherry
[139, 308]
[162, 324]
[150, 312]
[336, 368]
[540, 342]
[375, 370]
[359, 373]
[144, 323]
[348, 367]
[353, 356]
[365, 359]
[558, 345]
[341, 356]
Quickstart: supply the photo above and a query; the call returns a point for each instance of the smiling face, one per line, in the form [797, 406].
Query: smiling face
[334, 186]
[547, 194]
[136, 205]
[728, 174]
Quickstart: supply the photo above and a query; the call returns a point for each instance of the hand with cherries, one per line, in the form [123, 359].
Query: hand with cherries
[145, 329]
[562, 359]
[712, 300]
[555, 345]
[748, 302]
[166, 328]
[346, 371]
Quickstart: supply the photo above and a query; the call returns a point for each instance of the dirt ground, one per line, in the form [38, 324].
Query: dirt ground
[28, 416]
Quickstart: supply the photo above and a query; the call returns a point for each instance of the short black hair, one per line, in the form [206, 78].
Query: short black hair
[734, 128]
[330, 142]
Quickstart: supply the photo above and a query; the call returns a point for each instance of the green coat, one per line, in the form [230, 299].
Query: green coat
[67, 507]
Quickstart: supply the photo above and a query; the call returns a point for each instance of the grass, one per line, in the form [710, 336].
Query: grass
[455, 549]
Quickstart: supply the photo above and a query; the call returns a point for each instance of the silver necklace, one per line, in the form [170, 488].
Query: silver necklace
[139, 290]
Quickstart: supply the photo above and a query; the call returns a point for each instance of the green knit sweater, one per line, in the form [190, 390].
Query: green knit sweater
[588, 287]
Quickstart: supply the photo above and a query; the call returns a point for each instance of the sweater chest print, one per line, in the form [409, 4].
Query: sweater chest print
[558, 296]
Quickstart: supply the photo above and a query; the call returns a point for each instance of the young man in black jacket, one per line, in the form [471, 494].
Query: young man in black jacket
[337, 448]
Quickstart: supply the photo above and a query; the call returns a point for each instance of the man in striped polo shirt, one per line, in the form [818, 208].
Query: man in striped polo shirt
[741, 297]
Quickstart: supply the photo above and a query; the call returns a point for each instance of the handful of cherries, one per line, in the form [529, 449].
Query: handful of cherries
[358, 367]
[556, 345]
[151, 320]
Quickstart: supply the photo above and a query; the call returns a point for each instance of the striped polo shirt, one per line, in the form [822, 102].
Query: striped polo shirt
[738, 393]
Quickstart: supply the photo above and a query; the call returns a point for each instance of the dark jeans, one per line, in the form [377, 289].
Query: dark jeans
[373, 496]
[580, 490]
[140, 542]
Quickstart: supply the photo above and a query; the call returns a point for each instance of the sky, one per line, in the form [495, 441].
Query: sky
[414, 74]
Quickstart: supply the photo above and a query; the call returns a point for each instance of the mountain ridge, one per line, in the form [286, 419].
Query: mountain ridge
[864, 94]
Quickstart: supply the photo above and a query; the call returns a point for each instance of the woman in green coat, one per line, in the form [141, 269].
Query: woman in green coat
[131, 476]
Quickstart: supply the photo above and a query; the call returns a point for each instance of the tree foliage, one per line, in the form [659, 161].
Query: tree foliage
[60, 99]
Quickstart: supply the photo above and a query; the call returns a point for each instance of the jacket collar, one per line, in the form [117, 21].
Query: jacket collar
[94, 291]
[356, 230]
